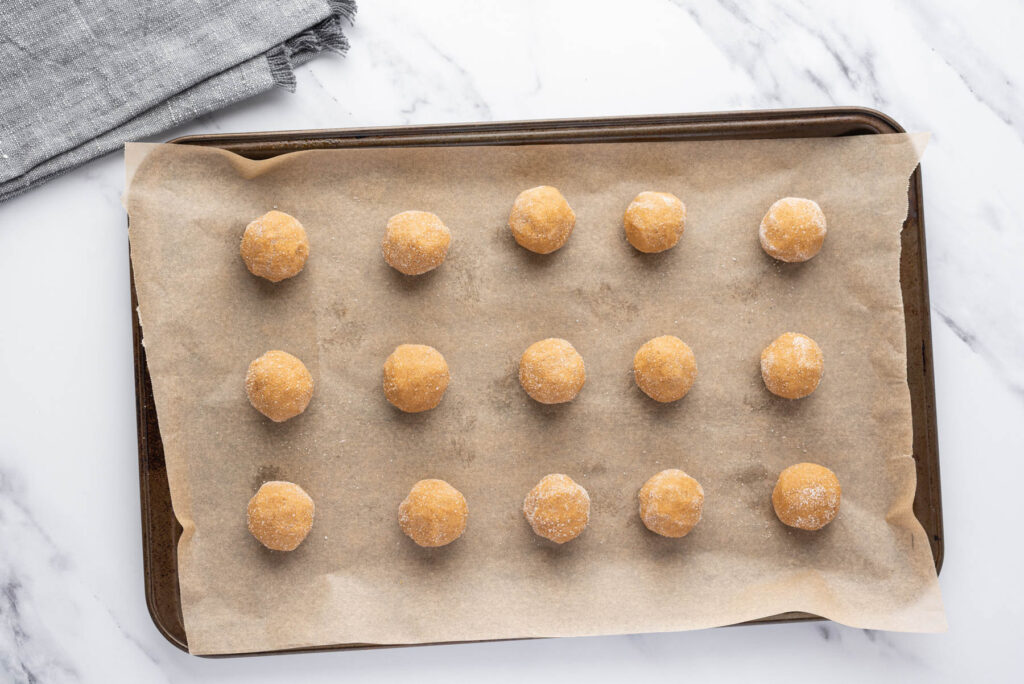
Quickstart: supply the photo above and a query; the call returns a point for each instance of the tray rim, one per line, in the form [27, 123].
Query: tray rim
[499, 133]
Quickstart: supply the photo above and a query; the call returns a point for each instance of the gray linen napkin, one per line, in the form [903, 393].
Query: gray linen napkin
[79, 79]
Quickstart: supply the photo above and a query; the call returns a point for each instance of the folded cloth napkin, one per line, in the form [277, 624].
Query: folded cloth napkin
[78, 79]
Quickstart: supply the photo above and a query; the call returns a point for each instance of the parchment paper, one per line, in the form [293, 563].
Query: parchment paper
[357, 578]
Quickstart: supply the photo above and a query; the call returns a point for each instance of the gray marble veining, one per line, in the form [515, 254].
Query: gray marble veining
[71, 603]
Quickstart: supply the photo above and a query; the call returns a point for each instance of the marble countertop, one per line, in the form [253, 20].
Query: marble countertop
[71, 600]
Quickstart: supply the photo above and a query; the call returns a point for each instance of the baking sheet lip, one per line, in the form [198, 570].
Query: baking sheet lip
[144, 488]
[934, 476]
[528, 125]
[754, 117]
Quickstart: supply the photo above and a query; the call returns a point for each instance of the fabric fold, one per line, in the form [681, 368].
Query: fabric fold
[80, 82]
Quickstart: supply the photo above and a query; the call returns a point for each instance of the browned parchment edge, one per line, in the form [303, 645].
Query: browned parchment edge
[160, 529]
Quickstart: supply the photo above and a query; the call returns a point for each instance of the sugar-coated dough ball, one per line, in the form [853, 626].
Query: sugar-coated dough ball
[792, 365]
[551, 371]
[280, 515]
[671, 503]
[807, 496]
[793, 229]
[275, 246]
[654, 221]
[279, 385]
[434, 513]
[557, 508]
[665, 368]
[415, 377]
[541, 219]
[415, 242]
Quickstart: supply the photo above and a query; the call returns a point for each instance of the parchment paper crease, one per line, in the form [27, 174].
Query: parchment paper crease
[357, 578]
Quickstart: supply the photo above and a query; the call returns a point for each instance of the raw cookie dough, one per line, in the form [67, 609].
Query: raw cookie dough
[792, 365]
[793, 229]
[557, 508]
[541, 219]
[279, 385]
[671, 503]
[415, 377]
[665, 368]
[433, 514]
[415, 242]
[654, 221]
[551, 371]
[275, 246]
[807, 496]
[280, 515]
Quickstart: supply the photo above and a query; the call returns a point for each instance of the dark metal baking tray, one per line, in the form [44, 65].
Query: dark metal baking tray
[160, 529]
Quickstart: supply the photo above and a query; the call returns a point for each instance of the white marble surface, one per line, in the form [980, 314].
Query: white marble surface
[71, 601]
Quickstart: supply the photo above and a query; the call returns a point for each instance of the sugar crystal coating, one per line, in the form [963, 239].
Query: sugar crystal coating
[665, 368]
[671, 503]
[433, 514]
[557, 508]
[552, 371]
[275, 246]
[792, 366]
[654, 221]
[807, 496]
[415, 377]
[279, 385]
[793, 230]
[541, 220]
[280, 515]
[415, 242]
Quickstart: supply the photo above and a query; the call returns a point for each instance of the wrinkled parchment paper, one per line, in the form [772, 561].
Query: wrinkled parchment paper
[357, 578]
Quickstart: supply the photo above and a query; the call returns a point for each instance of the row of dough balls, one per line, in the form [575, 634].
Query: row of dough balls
[275, 245]
[806, 496]
[551, 371]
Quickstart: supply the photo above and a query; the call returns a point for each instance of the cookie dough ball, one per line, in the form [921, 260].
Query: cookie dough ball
[557, 508]
[280, 515]
[551, 371]
[541, 219]
[792, 365]
[807, 496]
[665, 368]
[671, 503]
[415, 242]
[434, 513]
[793, 229]
[279, 385]
[415, 377]
[275, 246]
[654, 221]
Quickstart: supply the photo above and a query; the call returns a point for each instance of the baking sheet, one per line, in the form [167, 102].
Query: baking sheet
[357, 579]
